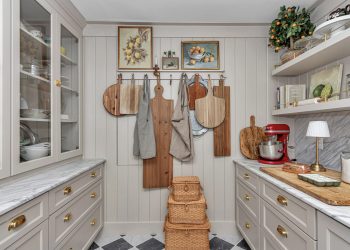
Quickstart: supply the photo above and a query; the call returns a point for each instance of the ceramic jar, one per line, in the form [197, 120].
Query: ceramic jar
[345, 162]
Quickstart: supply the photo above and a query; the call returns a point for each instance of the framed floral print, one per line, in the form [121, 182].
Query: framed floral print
[135, 47]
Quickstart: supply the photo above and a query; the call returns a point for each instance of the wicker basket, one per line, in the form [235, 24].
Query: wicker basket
[184, 236]
[188, 212]
[186, 188]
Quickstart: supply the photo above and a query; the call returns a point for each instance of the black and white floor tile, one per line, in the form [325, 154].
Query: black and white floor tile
[156, 242]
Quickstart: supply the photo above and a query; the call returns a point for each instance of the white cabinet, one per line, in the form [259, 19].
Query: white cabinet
[331, 234]
[46, 85]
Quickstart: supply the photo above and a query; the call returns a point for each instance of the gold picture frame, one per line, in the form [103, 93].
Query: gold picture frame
[200, 55]
[135, 47]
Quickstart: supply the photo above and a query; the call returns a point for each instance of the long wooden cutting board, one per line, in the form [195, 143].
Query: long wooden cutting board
[210, 110]
[158, 171]
[129, 98]
[337, 196]
[111, 98]
[222, 133]
[195, 91]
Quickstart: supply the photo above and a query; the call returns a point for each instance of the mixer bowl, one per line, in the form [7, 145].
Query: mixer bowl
[271, 150]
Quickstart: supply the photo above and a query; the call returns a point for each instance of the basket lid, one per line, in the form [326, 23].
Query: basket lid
[168, 225]
[200, 201]
[186, 179]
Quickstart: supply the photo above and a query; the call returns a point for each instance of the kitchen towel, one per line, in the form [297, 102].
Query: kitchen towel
[144, 140]
[181, 146]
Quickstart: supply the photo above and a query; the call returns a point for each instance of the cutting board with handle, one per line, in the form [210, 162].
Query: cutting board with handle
[210, 110]
[158, 171]
[222, 133]
[129, 98]
[111, 98]
[250, 139]
[195, 91]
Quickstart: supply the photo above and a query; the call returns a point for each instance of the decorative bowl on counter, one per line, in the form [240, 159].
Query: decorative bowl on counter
[271, 150]
[35, 151]
[35, 113]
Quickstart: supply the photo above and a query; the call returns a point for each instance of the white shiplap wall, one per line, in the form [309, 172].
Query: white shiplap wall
[247, 63]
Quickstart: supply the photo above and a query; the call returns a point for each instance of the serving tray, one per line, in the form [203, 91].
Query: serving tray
[319, 180]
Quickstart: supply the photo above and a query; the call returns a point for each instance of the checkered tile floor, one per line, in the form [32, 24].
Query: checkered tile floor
[155, 242]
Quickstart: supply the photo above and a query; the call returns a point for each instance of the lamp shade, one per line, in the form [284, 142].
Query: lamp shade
[318, 129]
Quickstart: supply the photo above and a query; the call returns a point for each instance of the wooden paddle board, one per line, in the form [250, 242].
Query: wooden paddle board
[158, 171]
[210, 110]
[111, 98]
[195, 91]
[222, 133]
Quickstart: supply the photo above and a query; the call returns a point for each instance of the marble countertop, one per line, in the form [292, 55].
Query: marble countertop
[338, 213]
[16, 192]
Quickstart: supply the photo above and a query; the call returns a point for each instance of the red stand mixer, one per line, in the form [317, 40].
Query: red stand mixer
[274, 151]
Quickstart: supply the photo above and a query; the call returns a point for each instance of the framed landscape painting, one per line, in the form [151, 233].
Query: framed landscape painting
[135, 47]
[200, 55]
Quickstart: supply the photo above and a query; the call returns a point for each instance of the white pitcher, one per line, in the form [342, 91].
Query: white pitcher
[345, 162]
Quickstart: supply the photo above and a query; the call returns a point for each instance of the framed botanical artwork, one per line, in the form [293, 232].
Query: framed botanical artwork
[326, 83]
[200, 55]
[170, 63]
[135, 47]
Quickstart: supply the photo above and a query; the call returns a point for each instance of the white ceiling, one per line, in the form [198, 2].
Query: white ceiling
[184, 11]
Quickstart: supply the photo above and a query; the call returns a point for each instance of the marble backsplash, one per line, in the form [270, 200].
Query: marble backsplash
[339, 126]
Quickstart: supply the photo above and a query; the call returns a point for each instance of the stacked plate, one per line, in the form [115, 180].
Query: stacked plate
[35, 151]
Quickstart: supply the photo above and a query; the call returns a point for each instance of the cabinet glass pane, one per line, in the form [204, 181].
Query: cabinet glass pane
[35, 81]
[69, 91]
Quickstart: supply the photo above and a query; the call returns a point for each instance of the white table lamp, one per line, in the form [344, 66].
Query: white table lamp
[318, 129]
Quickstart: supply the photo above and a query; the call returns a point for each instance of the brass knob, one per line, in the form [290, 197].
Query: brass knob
[282, 231]
[58, 83]
[67, 217]
[67, 190]
[93, 222]
[16, 222]
[93, 174]
[246, 176]
[282, 200]
[247, 226]
[93, 195]
[247, 197]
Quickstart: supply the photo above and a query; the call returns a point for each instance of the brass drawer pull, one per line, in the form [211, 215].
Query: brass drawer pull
[282, 231]
[58, 83]
[93, 174]
[67, 217]
[246, 176]
[247, 197]
[67, 190]
[282, 200]
[16, 222]
[93, 195]
[93, 222]
[247, 226]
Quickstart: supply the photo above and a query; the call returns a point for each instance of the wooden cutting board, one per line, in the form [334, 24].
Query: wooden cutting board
[250, 138]
[158, 171]
[336, 196]
[222, 133]
[210, 110]
[129, 98]
[195, 91]
[111, 98]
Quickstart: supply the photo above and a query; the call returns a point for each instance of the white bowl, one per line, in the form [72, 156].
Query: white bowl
[35, 113]
[35, 151]
[196, 57]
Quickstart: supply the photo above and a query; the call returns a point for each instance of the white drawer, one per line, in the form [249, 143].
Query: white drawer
[27, 216]
[249, 200]
[36, 239]
[300, 213]
[66, 192]
[332, 235]
[65, 219]
[248, 178]
[248, 227]
[84, 234]
[282, 232]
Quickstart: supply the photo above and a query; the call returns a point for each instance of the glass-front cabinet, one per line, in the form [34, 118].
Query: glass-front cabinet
[46, 87]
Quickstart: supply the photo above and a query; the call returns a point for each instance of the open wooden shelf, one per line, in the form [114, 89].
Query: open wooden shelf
[335, 48]
[323, 107]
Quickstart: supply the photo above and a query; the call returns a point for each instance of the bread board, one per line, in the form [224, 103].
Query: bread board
[336, 196]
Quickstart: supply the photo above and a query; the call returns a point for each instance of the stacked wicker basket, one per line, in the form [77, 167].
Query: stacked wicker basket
[187, 225]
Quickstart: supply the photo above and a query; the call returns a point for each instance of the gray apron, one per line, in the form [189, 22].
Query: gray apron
[144, 141]
[181, 146]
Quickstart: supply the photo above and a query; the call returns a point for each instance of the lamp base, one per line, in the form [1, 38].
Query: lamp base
[318, 168]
